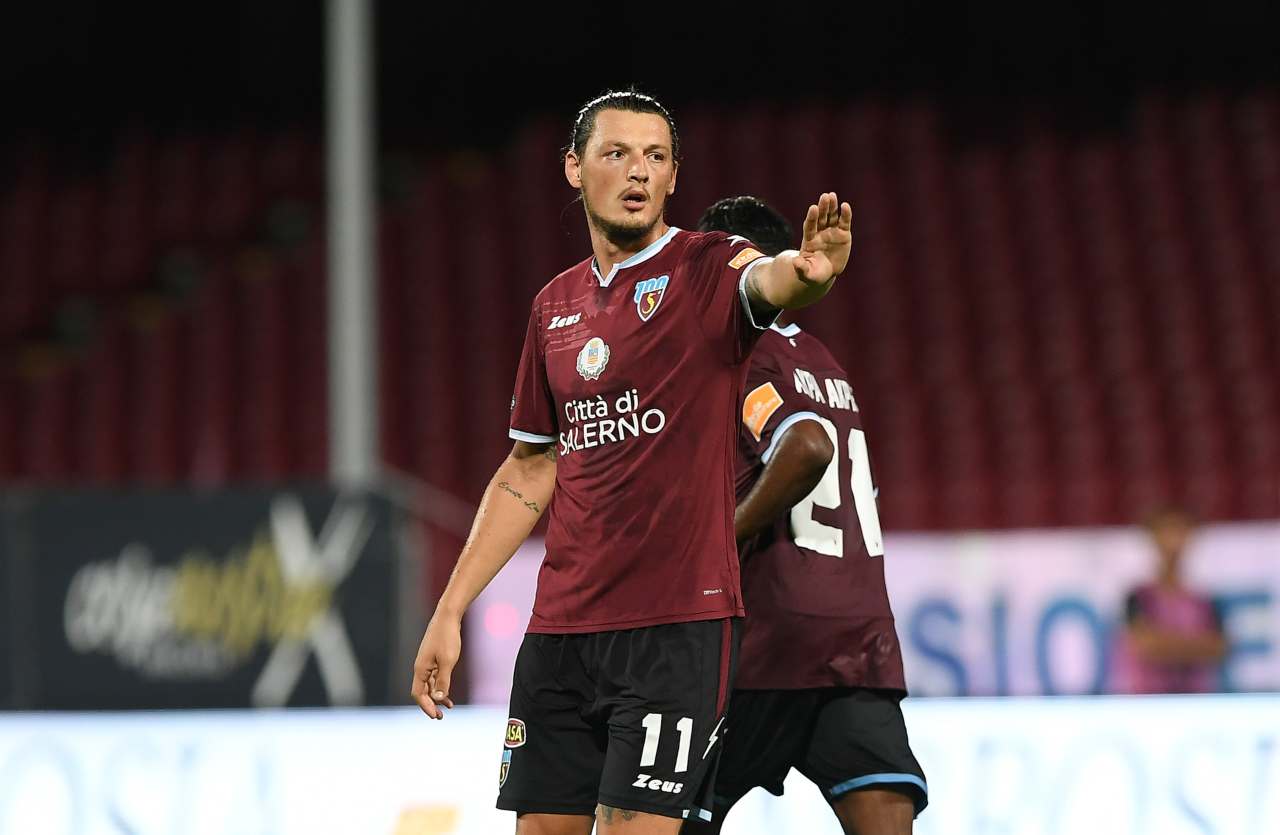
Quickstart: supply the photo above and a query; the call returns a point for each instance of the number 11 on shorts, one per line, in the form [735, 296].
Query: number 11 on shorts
[653, 730]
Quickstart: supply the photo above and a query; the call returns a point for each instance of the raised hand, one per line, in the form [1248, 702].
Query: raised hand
[824, 250]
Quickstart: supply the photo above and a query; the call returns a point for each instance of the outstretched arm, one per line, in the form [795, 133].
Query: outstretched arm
[794, 469]
[517, 495]
[797, 278]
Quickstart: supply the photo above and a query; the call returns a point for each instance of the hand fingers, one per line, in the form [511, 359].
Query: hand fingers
[440, 685]
[832, 207]
[846, 217]
[418, 689]
[810, 223]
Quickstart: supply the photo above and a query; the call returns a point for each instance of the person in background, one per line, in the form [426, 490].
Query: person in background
[1172, 640]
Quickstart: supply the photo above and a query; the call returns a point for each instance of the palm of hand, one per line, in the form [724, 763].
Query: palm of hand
[828, 239]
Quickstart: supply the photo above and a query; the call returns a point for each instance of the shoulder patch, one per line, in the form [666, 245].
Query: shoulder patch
[745, 257]
[759, 406]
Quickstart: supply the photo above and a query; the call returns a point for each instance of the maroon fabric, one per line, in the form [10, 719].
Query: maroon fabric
[639, 391]
[813, 619]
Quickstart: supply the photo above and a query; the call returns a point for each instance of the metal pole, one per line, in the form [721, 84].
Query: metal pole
[353, 393]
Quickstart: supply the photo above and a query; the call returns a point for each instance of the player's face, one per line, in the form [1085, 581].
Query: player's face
[626, 172]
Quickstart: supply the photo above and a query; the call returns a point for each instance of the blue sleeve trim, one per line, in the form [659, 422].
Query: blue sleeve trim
[746, 303]
[876, 779]
[791, 420]
[531, 438]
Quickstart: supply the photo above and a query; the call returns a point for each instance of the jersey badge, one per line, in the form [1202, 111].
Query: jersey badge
[516, 735]
[745, 257]
[758, 407]
[649, 295]
[592, 359]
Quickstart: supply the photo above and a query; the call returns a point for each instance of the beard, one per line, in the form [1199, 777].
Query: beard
[619, 234]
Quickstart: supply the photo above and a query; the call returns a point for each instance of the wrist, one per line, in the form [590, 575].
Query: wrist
[449, 611]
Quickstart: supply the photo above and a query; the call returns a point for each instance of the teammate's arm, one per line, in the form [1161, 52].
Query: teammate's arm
[796, 278]
[795, 468]
[516, 496]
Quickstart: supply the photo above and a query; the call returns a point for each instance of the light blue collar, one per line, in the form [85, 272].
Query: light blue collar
[640, 257]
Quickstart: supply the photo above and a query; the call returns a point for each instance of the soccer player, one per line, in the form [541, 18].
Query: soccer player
[820, 675]
[625, 422]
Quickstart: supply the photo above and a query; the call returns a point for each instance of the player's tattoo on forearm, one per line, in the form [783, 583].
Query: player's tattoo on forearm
[502, 485]
[754, 292]
[606, 813]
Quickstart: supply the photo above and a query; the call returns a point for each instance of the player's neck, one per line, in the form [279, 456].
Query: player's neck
[609, 252]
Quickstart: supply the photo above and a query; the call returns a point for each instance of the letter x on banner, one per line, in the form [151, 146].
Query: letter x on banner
[326, 559]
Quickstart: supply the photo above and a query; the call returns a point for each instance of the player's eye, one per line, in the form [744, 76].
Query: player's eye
[614, 154]
[658, 157]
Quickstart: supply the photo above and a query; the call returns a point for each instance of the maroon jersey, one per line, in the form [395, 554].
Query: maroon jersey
[817, 609]
[636, 377]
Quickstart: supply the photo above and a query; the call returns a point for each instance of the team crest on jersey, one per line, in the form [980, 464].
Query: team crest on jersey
[505, 769]
[592, 359]
[516, 734]
[649, 295]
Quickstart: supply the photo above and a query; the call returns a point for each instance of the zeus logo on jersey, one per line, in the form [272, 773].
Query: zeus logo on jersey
[646, 781]
[564, 321]
[649, 295]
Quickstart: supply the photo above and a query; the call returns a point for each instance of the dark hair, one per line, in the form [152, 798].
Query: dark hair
[632, 101]
[751, 218]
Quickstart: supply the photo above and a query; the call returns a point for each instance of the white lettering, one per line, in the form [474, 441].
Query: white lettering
[807, 384]
[661, 421]
[593, 426]
[631, 422]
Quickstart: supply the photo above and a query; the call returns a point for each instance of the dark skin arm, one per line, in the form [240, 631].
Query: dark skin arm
[795, 468]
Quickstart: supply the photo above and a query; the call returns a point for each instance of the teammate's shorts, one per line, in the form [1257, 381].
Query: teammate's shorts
[629, 719]
[843, 739]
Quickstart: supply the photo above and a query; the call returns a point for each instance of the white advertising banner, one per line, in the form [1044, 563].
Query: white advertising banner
[1131, 766]
[1009, 613]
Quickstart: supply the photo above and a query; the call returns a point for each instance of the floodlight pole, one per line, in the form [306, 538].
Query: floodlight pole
[353, 378]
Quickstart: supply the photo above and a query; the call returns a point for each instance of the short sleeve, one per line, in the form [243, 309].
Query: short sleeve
[719, 267]
[770, 408]
[533, 411]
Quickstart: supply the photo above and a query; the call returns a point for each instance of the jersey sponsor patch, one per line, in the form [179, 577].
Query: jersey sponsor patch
[759, 406]
[745, 257]
[516, 734]
[592, 359]
[505, 769]
[649, 295]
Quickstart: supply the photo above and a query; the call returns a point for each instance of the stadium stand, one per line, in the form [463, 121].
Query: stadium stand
[1058, 329]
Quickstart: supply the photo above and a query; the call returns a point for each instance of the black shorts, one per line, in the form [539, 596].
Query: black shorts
[843, 739]
[629, 719]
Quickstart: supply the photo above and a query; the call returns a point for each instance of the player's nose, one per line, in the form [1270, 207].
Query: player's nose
[639, 172]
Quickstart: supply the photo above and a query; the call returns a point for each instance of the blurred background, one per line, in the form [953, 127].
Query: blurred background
[264, 275]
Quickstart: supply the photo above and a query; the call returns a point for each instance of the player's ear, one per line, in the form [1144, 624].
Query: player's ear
[573, 169]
